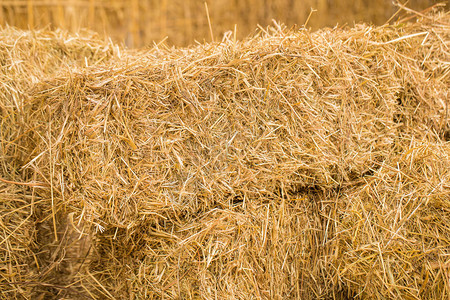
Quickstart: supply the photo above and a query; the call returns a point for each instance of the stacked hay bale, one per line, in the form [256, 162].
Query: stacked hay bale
[288, 165]
[37, 247]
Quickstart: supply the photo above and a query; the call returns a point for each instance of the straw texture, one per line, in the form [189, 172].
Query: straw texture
[293, 164]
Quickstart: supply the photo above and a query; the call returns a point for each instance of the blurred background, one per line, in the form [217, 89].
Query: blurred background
[139, 23]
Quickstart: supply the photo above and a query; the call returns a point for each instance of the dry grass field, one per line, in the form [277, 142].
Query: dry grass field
[292, 164]
[139, 23]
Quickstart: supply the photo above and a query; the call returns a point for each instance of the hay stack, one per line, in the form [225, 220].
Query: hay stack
[33, 264]
[288, 165]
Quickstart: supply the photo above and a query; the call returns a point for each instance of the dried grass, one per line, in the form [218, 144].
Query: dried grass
[293, 164]
[139, 23]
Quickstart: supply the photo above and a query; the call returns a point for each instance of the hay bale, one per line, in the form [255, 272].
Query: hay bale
[40, 253]
[396, 244]
[293, 164]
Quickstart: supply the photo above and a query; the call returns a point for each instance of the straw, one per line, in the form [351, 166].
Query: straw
[292, 164]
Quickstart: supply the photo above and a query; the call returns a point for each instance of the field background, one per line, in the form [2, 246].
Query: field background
[138, 23]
